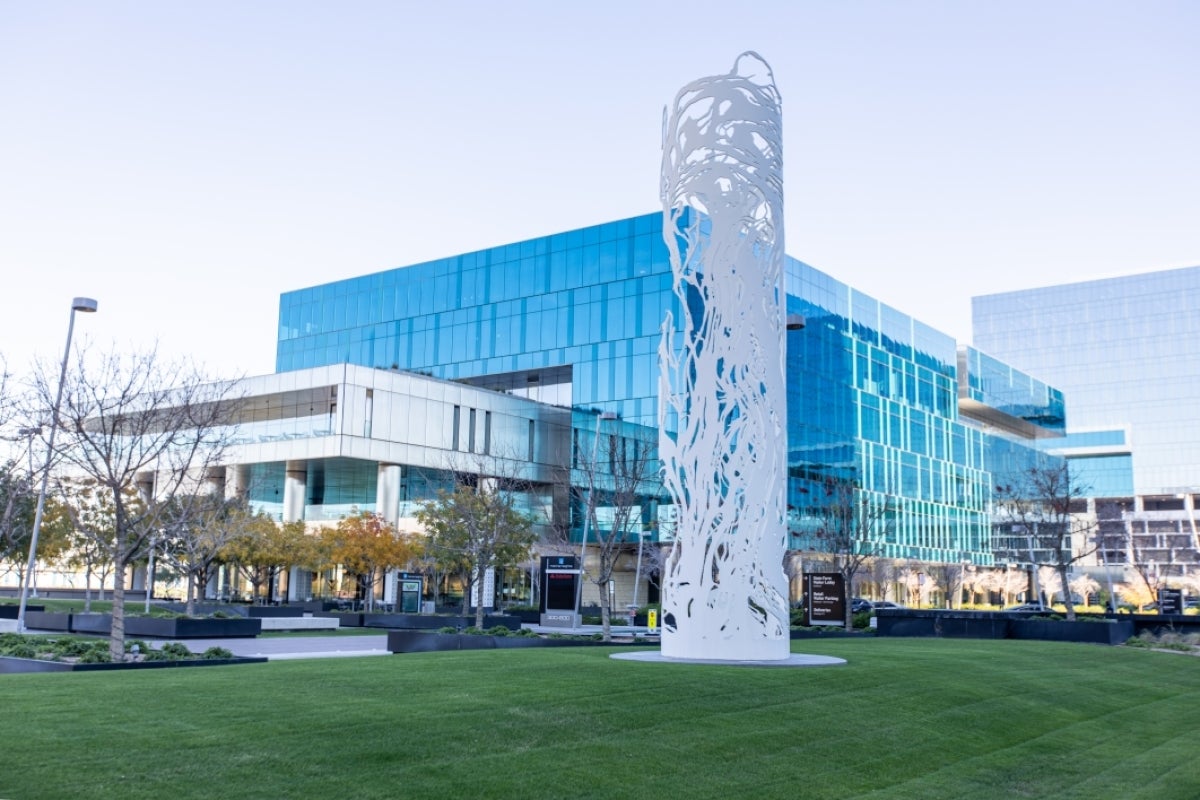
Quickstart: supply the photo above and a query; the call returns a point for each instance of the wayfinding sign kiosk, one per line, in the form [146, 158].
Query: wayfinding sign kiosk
[408, 585]
[825, 598]
[560, 583]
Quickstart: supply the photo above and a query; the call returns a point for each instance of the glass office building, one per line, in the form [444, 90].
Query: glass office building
[1123, 349]
[574, 320]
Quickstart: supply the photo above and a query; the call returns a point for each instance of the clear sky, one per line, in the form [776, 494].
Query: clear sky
[186, 162]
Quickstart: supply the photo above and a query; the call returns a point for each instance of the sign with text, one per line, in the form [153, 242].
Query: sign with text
[1170, 601]
[560, 575]
[825, 598]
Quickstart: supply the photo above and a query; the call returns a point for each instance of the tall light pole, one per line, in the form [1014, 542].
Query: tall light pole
[86, 305]
[591, 504]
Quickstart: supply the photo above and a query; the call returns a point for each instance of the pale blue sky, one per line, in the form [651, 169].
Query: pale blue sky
[184, 163]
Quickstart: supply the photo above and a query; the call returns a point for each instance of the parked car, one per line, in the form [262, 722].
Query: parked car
[878, 604]
[1032, 607]
[859, 604]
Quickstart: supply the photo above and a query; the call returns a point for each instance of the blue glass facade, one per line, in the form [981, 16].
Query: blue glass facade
[590, 300]
[574, 319]
[1124, 352]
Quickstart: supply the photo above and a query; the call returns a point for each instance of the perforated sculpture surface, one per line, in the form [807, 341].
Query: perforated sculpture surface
[723, 391]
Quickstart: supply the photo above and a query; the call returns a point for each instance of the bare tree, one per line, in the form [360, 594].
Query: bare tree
[625, 486]
[852, 527]
[92, 530]
[195, 532]
[137, 423]
[1043, 506]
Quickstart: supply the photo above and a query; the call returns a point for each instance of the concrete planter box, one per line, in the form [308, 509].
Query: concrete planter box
[274, 611]
[10, 611]
[998, 625]
[9, 664]
[47, 620]
[193, 628]
[1117, 632]
[347, 619]
[832, 633]
[149, 627]
[427, 642]
[433, 622]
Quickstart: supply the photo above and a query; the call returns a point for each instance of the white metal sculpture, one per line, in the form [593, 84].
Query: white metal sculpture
[723, 389]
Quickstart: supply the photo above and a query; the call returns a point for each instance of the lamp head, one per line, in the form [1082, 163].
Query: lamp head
[85, 304]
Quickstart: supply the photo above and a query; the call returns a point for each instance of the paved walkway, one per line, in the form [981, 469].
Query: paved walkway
[288, 647]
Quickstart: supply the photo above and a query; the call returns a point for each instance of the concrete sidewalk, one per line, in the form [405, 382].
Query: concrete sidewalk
[290, 647]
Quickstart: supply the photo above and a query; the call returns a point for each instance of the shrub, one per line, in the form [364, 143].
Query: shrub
[75, 648]
[18, 650]
[447, 629]
[524, 632]
[498, 630]
[173, 651]
[471, 630]
[862, 619]
[215, 653]
[97, 654]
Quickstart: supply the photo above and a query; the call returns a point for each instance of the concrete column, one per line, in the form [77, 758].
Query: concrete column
[145, 486]
[387, 492]
[299, 584]
[237, 481]
[295, 487]
[214, 481]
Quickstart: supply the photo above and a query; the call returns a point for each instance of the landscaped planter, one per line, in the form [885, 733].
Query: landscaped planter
[193, 627]
[433, 621]
[274, 611]
[8, 664]
[944, 623]
[832, 633]
[10, 611]
[47, 621]
[1114, 632]
[151, 627]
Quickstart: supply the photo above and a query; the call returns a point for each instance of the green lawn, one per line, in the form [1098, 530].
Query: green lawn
[907, 718]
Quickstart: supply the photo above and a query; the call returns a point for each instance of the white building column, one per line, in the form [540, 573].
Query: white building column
[387, 492]
[237, 481]
[214, 481]
[295, 488]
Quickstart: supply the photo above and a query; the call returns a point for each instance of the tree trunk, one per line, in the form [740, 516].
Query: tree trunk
[87, 590]
[1066, 591]
[190, 609]
[477, 588]
[606, 614]
[116, 640]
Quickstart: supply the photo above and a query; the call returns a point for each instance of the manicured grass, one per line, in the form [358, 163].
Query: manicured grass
[906, 718]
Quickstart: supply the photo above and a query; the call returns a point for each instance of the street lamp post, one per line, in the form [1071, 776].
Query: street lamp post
[86, 305]
[587, 518]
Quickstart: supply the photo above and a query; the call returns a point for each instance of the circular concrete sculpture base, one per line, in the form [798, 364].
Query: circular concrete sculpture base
[794, 660]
